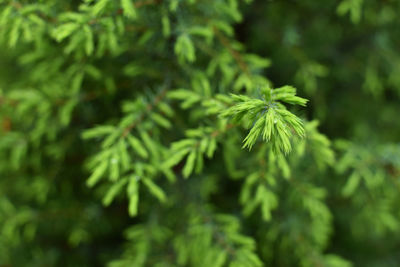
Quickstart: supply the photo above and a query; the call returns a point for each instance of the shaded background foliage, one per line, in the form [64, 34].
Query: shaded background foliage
[121, 144]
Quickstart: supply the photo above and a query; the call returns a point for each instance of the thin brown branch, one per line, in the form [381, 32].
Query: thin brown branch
[148, 108]
[6, 124]
[17, 5]
[146, 3]
[218, 132]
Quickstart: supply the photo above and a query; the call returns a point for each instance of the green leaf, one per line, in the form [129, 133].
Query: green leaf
[255, 131]
[160, 120]
[211, 147]
[129, 9]
[188, 168]
[154, 189]
[111, 139]
[166, 109]
[137, 146]
[166, 27]
[15, 32]
[76, 82]
[352, 184]
[288, 94]
[98, 131]
[184, 94]
[89, 40]
[269, 125]
[114, 167]
[97, 173]
[184, 48]
[201, 31]
[65, 30]
[133, 195]
[113, 191]
[149, 143]
[123, 152]
[353, 7]
[99, 6]
[175, 157]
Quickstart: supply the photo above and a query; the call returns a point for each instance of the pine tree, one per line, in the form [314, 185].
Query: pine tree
[199, 133]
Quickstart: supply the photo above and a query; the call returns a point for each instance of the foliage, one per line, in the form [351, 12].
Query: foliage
[199, 133]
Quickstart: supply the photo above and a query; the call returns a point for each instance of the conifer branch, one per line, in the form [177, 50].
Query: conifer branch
[268, 117]
[183, 147]
[148, 109]
[235, 54]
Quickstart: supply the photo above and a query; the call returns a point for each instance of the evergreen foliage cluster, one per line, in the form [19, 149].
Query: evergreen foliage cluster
[199, 133]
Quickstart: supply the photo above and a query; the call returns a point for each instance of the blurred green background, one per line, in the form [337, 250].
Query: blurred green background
[341, 55]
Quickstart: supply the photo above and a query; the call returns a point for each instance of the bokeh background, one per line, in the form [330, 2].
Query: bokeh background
[341, 55]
